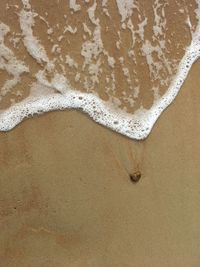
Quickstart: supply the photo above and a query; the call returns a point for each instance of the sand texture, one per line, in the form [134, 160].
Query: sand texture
[67, 200]
[67, 192]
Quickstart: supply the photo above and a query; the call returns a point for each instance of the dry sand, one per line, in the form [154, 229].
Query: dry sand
[67, 200]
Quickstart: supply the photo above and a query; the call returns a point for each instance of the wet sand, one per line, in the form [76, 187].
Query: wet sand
[67, 199]
[68, 195]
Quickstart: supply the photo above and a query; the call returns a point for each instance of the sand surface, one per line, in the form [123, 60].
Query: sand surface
[66, 198]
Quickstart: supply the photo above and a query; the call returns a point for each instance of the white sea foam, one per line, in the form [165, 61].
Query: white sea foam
[137, 125]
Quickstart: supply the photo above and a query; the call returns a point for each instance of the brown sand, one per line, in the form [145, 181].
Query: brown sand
[109, 82]
[67, 200]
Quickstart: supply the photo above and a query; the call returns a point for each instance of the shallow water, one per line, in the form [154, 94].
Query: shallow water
[120, 61]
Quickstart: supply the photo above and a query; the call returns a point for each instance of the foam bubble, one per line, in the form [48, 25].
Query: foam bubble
[58, 93]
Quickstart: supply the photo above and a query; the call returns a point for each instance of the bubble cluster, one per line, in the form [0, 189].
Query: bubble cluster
[50, 86]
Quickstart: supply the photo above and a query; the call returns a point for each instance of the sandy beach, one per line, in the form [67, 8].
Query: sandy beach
[67, 199]
[76, 194]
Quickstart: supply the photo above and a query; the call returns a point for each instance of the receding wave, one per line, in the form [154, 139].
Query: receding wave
[120, 61]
